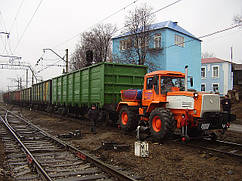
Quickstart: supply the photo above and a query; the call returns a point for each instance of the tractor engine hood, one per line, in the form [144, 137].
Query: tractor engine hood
[198, 101]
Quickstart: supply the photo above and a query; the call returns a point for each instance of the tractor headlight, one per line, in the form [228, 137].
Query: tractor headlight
[195, 95]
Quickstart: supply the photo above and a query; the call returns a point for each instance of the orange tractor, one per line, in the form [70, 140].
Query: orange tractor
[165, 104]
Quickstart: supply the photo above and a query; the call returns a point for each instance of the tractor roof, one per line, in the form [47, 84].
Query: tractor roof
[166, 73]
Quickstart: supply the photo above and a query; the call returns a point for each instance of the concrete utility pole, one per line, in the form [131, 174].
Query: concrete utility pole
[27, 78]
[66, 60]
[33, 78]
[20, 83]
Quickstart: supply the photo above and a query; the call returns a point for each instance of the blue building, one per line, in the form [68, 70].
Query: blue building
[216, 75]
[170, 47]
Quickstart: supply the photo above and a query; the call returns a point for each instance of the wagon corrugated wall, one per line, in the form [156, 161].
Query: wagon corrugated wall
[99, 84]
[41, 93]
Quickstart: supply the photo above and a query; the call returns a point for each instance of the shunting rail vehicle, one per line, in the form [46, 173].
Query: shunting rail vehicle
[158, 102]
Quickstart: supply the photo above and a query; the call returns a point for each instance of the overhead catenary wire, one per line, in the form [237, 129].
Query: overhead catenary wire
[154, 12]
[109, 16]
[12, 25]
[16, 15]
[166, 7]
[5, 29]
[48, 66]
[169, 5]
[28, 24]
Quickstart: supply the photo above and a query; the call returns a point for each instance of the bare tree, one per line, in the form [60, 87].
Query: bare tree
[78, 58]
[138, 23]
[98, 40]
[207, 55]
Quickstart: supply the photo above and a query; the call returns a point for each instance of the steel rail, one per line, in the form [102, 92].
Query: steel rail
[82, 155]
[229, 143]
[39, 168]
[226, 143]
[216, 150]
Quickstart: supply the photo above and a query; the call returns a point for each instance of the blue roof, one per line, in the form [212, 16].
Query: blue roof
[166, 24]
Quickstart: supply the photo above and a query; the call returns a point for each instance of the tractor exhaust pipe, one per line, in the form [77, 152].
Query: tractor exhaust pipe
[186, 77]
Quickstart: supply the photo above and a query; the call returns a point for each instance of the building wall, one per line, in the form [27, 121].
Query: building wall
[178, 57]
[225, 79]
[172, 57]
[157, 57]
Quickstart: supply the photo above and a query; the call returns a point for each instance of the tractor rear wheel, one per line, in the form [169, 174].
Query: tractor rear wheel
[162, 123]
[127, 119]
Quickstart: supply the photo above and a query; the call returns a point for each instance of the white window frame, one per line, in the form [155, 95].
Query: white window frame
[213, 86]
[204, 87]
[205, 73]
[179, 40]
[121, 45]
[215, 66]
[157, 41]
[139, 42]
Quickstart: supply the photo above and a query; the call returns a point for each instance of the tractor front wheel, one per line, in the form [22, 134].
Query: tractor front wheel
[127, 119]
[162, 123]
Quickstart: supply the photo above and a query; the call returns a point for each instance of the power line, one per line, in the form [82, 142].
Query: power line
[5, 29]
[116, 12]
[4, 45]
[14, 21]
[4, 25]
[15, 18]
[156, 11]
[122, 9]
[232, 33]
[166, 7]
[28, 24]
[207, 35]
[48, 66]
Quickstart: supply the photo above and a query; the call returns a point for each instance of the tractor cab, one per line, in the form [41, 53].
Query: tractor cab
[157, 84]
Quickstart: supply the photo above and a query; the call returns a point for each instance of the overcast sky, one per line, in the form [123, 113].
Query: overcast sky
[56, 24]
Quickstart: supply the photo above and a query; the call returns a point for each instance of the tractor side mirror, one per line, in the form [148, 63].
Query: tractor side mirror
[191, 81]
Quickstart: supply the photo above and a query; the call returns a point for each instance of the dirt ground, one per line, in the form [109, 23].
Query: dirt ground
[166, 161]
[3, 170]
[237, 110]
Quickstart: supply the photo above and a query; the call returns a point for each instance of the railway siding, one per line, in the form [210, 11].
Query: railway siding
[50, 157]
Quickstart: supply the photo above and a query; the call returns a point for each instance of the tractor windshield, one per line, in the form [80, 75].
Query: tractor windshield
[169, 84]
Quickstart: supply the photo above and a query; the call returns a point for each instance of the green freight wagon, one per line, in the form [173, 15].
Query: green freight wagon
[25, 96]
[41, 94]
[98, 84]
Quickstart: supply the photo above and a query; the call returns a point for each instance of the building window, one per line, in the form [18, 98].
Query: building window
[203, 87]
[179, 41]
[125, 44]
[203, 72]
[141, 42]
[157, 41]
[215, 73]
[121, 45]
[215, 87]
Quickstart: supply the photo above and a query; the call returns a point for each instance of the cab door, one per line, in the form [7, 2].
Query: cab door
[151, 89]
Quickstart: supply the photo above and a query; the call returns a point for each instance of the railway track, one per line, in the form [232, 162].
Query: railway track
[218, 146]
[33, 154]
